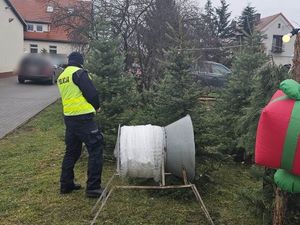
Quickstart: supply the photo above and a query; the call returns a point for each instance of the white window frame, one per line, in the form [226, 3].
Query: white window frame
[34, 47]
[277, 44]
[32, 25]
[52, 48]
[40, 26]
[49, 9]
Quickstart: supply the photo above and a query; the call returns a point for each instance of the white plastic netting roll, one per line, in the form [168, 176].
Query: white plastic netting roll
[141, 151]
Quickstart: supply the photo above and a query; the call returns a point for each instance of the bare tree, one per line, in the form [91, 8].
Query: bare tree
[125, 17]
[75, 19]
[146, 30]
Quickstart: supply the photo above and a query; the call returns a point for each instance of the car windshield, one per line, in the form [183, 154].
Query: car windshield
[219, 69]
[203, 67]
[33, 61]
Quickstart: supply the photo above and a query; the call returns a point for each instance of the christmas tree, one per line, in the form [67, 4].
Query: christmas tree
[235, 97]
[117, 90]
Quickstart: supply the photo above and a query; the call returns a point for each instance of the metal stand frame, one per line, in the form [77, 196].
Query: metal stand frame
[110, 188]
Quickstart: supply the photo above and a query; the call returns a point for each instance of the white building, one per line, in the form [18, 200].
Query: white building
[12, 28]
[26, 27]
[40, 34]
[274, 27]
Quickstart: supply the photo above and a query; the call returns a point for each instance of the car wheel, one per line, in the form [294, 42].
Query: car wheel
[21, 81]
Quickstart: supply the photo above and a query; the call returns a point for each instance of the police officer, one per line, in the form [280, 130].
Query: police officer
[80, 103]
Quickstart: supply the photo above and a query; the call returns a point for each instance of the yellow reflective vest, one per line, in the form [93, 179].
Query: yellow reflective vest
[73, 101]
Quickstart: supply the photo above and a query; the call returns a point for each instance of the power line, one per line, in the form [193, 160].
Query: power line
[219, 48]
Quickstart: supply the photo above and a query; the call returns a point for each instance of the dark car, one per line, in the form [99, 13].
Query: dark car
[210, 73]
[38, 67]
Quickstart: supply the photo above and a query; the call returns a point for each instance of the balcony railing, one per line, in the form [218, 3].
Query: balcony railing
[277, 49]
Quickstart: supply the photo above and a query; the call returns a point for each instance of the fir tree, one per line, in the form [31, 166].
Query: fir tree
[224, 27]
[235, 97]
[224, 32]
[209, 17]
[177, 94]
[209, 31]
[118, 96]
[154, 38]
[265, 83]
[247, 20]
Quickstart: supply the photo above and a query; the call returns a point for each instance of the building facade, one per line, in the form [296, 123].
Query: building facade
[41, 36]
[11, 38]
[274, 28]
[27, 27]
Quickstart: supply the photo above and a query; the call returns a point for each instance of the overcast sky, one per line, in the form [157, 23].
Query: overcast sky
[290, 8]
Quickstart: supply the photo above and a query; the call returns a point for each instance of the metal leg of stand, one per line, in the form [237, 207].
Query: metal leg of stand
[102, 206]
[163, 175]
[154, 187]
[203, 207]
[104, 198]
[103, 193]
[184, 176]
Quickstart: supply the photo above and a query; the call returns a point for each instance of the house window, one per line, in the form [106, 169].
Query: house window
[277, 44]
[29, 27]
[279, 25]
[53, 49]
[49, 9]
[33, 48]
[39, 28]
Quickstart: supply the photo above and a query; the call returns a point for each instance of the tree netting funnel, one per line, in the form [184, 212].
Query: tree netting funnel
[143, 151]
[181, 147]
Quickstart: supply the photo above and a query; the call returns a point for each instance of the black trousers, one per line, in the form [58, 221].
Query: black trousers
[78, 132]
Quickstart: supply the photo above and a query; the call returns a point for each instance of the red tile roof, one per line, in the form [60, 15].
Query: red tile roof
[33, 10]
[267, 20]
[36, 11]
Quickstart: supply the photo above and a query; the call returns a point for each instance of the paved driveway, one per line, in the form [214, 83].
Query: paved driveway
[20, 102]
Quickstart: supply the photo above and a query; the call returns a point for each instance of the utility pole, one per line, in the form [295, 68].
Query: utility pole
[279, 207]
[296, 60]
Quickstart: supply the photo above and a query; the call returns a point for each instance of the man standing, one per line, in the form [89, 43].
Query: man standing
[80, 103]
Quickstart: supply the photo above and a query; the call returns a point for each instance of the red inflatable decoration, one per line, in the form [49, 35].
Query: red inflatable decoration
[277, 140]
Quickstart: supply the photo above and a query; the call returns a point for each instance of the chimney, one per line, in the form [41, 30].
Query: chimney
[257, 18]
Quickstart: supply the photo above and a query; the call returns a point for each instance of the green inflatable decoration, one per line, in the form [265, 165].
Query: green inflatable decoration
[291, 88]
[287, 182]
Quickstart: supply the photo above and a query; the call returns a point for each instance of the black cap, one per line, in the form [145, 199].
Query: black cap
[75, 58]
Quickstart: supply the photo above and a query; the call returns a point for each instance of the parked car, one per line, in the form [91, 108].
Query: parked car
[210, 73]
[37, 67]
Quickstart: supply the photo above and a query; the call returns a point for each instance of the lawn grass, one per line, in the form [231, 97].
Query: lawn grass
[30, 161]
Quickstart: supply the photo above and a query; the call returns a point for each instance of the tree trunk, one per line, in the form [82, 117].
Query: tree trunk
[296, 60]
[279, 208]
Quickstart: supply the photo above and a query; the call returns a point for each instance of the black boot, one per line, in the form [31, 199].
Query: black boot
[96, 193]
[69, 189]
